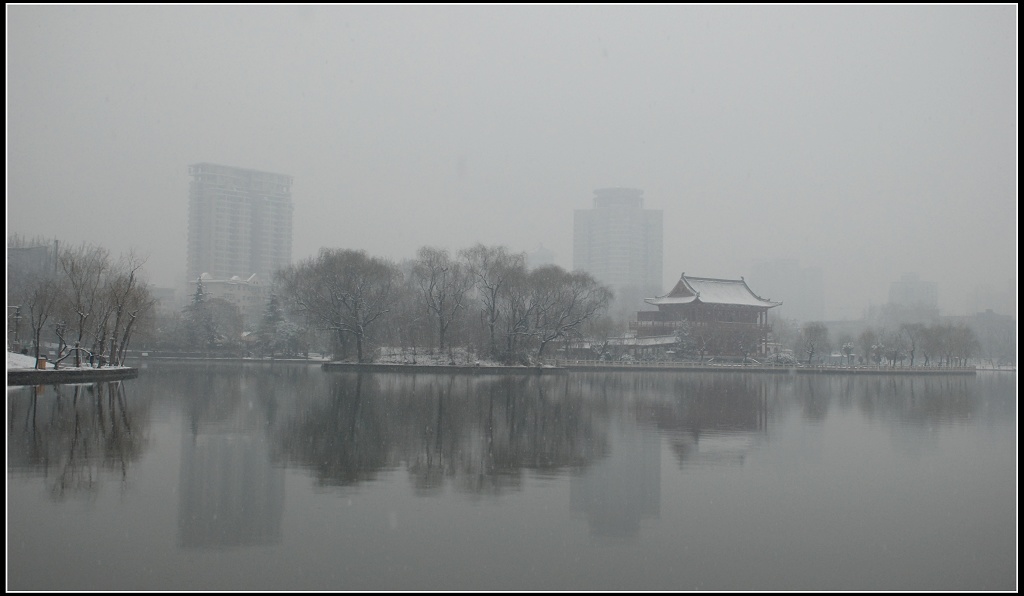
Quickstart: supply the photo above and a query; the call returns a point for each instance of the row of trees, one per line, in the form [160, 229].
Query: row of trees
[942, 344]
[90, 301]
[483, 297]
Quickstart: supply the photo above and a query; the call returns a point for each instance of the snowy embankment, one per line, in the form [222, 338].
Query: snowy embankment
[21, 362]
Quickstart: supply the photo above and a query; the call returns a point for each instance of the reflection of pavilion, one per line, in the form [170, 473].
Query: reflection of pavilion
[617, 492]
[713, 423]
[231, 495]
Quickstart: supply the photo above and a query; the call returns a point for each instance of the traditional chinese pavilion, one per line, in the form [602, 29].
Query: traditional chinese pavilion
[723, 315]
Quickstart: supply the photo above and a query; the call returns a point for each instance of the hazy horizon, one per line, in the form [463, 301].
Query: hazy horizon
[867, 141]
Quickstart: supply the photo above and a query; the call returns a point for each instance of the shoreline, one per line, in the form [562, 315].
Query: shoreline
[442, 368]
[562, 367]
[820, 370]
[29, 376]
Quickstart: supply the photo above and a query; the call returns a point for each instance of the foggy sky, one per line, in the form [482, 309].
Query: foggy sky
[868, 141]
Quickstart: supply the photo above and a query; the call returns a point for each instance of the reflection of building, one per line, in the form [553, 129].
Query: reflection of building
[619, 242]
[617, 492]
[723, 315]
[803, 287]
[231, 495]
[713, 420]
[239, 222]
[249, 295]
[911, 291]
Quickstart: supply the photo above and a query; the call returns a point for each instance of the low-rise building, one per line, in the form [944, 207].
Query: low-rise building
[249, 295]
[720, 316]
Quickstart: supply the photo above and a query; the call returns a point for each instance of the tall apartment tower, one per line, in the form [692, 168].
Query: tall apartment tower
[911, 291]
[239, 222]
[620, 243]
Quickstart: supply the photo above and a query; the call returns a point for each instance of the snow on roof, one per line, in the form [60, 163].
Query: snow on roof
[712, 291]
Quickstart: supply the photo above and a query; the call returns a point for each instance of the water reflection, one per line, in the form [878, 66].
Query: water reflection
[616, 493]
[75, 435]
[345, 477]
[916, 401]
[230, 492]
[475, 434]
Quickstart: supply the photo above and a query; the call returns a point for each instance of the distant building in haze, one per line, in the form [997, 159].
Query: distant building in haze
[912, 292]
[36, 257]
[239, 222]
[620, 243]
[801, 289]
[250, 295]
[540, 257]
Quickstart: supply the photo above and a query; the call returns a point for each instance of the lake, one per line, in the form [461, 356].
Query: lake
[281, 476]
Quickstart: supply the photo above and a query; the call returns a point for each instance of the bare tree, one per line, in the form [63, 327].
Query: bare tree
[895, 347]
[515, 307]
[867, 343]
[493, 268]
[84, 268]
[912, 334]
[41, 300]
[564, 301]
[965, 343]
[814, 336]
[443, 283]
[343, 291]
[129, 297]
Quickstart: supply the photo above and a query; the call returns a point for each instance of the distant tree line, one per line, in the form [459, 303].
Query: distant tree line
[483, 298]
[905, 344]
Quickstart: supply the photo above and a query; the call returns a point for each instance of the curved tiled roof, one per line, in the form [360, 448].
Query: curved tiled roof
[708, 290]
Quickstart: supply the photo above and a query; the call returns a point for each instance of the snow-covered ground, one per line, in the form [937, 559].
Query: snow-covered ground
[21, 361]
[430, 357]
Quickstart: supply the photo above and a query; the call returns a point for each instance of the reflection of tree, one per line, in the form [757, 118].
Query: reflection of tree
[814, 400]
[344, 439]
[75, 433]
[918, 400]
[476, 433]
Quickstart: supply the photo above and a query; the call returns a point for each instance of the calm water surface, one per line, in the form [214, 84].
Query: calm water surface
[285, 477]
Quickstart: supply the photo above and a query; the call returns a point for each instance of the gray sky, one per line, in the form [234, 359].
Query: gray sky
[866, 140]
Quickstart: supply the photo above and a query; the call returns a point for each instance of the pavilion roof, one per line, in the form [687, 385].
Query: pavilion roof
[708, 290]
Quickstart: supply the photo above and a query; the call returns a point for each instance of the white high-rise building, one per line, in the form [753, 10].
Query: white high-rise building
[239, 222]
[620, 243]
